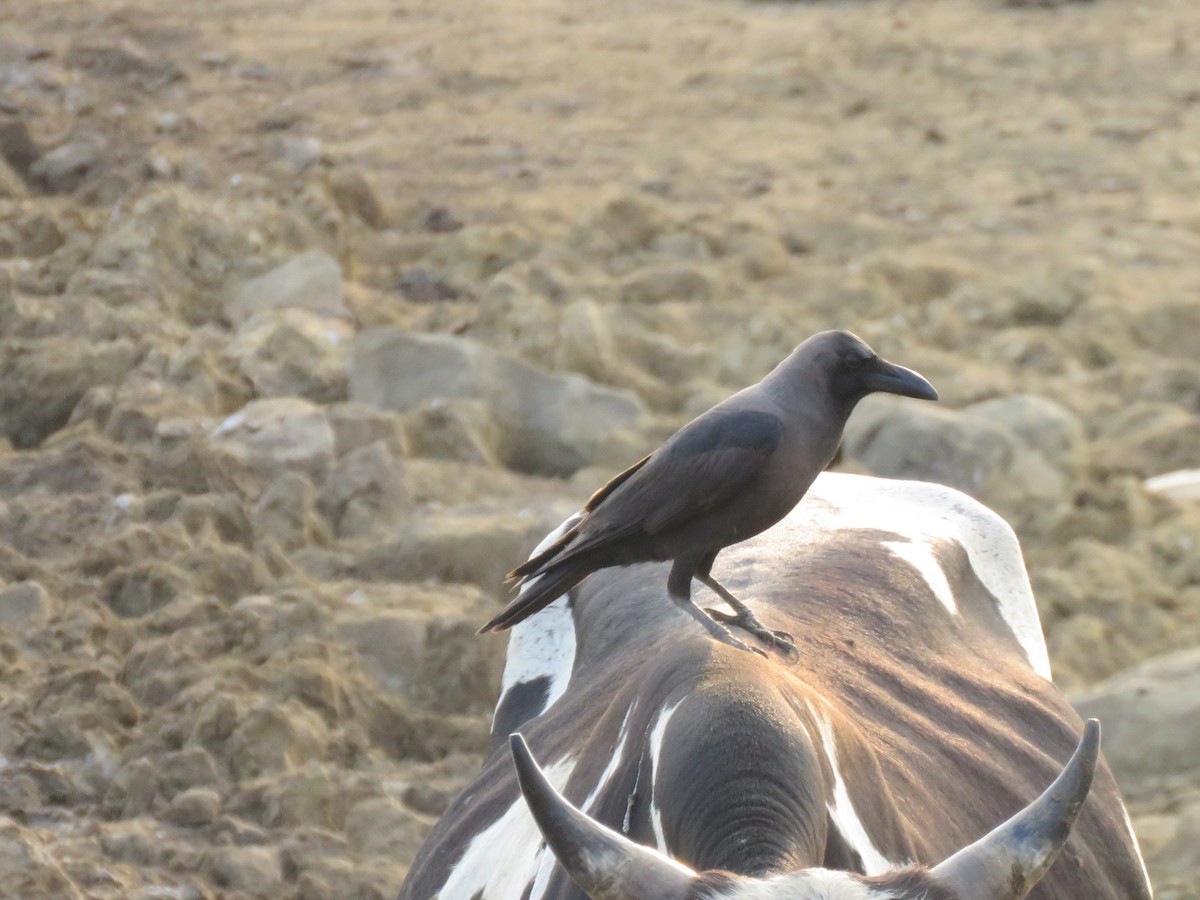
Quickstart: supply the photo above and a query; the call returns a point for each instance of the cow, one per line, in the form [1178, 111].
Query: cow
[920, 715]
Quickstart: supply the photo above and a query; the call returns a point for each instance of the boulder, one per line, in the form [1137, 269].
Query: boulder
[23, 605]
[549, 424]
[454, 428]
[353, 194]
[283, 432]
[294, 352]
[193, 808]
[1047, 427]
[665, 282]
[1146, 439]
[1151, 716]
[423, 645]
[365, 491]
[993, 463]
[245, 871]
[311, 281]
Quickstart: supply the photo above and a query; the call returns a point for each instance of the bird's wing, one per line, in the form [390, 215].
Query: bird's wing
[615, 482]
[701, 468]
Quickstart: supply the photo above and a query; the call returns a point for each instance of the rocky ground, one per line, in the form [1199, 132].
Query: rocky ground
[315, 316]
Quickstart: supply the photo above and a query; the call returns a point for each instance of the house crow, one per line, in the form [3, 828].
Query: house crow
[726, 476]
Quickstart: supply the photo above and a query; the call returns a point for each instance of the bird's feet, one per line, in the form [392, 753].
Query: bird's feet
[745, 620]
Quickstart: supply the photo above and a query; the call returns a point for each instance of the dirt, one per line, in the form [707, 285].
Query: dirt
[238, 591]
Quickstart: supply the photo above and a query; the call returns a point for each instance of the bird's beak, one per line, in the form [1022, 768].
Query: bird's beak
[893, 379]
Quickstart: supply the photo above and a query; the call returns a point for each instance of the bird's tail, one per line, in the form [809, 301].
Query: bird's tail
[542, 560]
[538, 593]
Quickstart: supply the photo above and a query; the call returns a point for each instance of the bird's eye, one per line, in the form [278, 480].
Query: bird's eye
[855, 362]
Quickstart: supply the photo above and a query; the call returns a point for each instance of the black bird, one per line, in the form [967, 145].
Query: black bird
[726, 476]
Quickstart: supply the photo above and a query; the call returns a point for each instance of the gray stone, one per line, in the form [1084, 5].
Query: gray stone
[194, 808]
[550, 424]
[1151, 716]
[1051, 429]
[283, 432]
[188, 768]
[66, 167]
[356, 425]
[365, 491]
[664, 282]
[456, 428]
[249, 871]
[17, 146]
[353, 194]
[311, 281]
[298, 153]
[24, 604]
[898, 439]
[294, 352]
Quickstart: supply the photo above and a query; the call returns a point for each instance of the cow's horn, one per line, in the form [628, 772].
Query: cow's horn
[604, 864]
[1006, 863]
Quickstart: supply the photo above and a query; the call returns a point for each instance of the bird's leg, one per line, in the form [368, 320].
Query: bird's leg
[679, 587]
[743, 618]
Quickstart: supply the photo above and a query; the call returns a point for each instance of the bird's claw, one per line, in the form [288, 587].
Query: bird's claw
[772, 637]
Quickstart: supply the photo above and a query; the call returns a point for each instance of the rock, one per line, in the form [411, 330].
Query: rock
[1171, 845]
[665, 282]
[121, 59]
[423, 645]
[509, 314]
[422, 286]
[24, 605]
[356, 425]
[284, 432]
[280, 117]
[17, 146]
[1051, 429]
[143, 587]
[286, 512]
[188, 768]
[298, 153]
[311, 281]
[1167, 328]
[1145, 439]
[1151, 716]
[916, 278]
[440, 220]
[456, 428]
[354, 195]
[294, 352]
[630, 223]
[474, 548]
[19, 796]
[30, 870]
[67, 166]
[273, 738]
[386, 827]
[248, 871]
[194, 808]
[550, 424]
[365, 491]
[1181, 486]
[41, 382]
[970, 453]
[132, 791]
[33, 237]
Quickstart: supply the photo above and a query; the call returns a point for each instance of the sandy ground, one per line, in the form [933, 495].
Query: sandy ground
[242, 559]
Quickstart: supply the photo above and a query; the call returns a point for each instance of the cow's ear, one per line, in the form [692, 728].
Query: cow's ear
[605, 865]
[1006, 863]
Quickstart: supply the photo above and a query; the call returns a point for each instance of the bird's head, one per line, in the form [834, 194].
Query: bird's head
[850, 369]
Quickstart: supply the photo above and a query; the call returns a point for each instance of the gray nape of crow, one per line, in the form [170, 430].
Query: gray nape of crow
[726, 476]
